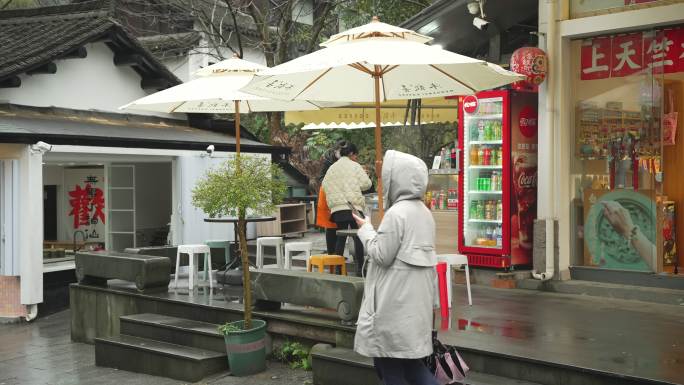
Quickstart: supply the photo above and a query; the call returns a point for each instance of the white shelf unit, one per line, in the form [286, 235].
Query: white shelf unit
[290, 221]
[483, 167]
[485, 221]
[121, 212]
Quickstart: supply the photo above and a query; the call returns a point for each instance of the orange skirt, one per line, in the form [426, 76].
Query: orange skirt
[323, 212]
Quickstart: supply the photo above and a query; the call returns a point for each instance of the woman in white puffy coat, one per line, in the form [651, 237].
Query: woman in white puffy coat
[395, 321]
[345, 182]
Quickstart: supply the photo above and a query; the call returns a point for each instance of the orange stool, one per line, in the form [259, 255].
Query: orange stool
[327, 260]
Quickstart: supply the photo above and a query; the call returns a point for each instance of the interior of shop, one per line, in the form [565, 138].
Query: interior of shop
[628, 206]
[104, 206]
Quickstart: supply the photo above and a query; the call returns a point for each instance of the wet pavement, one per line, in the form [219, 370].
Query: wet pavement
[41, 352]
[631, 338]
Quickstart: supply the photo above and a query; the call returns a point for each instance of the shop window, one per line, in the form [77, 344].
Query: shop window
[627, 91]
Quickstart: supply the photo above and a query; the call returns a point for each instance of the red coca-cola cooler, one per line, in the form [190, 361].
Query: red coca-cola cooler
[498, 177]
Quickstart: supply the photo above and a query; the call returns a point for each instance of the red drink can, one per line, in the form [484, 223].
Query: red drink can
[487, 156]
[525, 190]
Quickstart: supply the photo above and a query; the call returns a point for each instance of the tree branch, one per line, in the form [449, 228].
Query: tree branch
[236, 28]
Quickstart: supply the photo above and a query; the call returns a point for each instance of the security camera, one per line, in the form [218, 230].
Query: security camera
[41, 147]
[210, 149]
[474, 7]
[480, 23]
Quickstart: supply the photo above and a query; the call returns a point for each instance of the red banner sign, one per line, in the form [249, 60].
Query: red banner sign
[657, 52]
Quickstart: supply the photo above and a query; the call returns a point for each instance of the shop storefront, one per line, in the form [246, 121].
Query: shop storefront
[627, 91]
[616, 146]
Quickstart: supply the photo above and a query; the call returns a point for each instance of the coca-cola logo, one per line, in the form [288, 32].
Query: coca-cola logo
[470, 104]
[526, 180]
[527, 121]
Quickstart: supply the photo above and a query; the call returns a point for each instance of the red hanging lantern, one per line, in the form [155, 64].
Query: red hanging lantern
[531, 62]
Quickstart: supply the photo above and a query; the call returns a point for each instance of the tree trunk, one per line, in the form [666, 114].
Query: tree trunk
[246, 284]
[276, 127]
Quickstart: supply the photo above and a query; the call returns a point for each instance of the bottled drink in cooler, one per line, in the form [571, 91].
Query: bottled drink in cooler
[453, 157]
[489, 234]
[499, 237]
[474, 157]
[487, 156]
[480, 154]
[494, 180]
[480, 209]
[480, 130]
[499, 210]
[473, 210]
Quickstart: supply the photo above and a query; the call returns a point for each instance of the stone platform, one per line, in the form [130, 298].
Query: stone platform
[517, 335]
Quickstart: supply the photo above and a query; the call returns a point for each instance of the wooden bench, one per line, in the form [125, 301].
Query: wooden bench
[146, 271]
[272, 287]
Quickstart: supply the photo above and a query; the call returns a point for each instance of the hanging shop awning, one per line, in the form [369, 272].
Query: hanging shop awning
[358, 115]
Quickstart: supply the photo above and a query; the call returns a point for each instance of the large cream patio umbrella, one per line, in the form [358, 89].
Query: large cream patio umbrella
[217, 90]
[374, 63]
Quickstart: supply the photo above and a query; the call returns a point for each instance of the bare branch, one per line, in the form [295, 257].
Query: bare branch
[236, 28]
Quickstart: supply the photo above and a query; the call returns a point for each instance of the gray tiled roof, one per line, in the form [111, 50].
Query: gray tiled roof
[30, 38]
[63, 126]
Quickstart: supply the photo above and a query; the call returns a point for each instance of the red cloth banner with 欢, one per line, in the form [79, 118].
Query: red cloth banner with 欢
[651, 52]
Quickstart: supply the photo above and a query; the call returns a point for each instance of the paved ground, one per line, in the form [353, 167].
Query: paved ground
[612, 335]
[42, 353]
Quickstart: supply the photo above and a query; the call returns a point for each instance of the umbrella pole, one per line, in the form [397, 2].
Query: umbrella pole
[378, 142]
[237, 127]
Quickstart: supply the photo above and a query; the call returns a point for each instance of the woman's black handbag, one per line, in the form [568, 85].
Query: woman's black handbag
[445, 363]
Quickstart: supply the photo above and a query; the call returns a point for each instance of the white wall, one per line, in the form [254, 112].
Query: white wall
[188, 220]
[92, 83]
[31, 226]
[180, 66]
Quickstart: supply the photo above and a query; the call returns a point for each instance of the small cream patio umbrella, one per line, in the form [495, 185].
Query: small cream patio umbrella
[217, 90]
[374, 63]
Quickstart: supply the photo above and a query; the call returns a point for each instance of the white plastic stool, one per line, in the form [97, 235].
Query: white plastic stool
[456, 259]
[193, 251]
[276, 242]
[297, 247]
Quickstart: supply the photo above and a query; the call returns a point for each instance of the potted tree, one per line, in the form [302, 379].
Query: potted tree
[246, 184]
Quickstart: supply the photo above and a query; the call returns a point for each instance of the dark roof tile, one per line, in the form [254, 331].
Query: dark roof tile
[30, 38]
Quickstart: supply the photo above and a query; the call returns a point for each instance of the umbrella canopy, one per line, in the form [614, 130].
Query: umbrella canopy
[374, 63]
[217, 90]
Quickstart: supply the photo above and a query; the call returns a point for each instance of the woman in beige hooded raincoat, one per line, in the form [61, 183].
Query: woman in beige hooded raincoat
[395, 321]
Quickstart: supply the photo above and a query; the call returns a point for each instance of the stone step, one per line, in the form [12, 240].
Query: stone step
[158, 358]
[608, 290]
[179, 331]
[329, 362]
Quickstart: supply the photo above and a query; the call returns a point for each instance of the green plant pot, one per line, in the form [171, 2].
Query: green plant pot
[247, 348]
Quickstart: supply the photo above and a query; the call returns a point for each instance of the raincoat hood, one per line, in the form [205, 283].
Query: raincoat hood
[404, 177]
